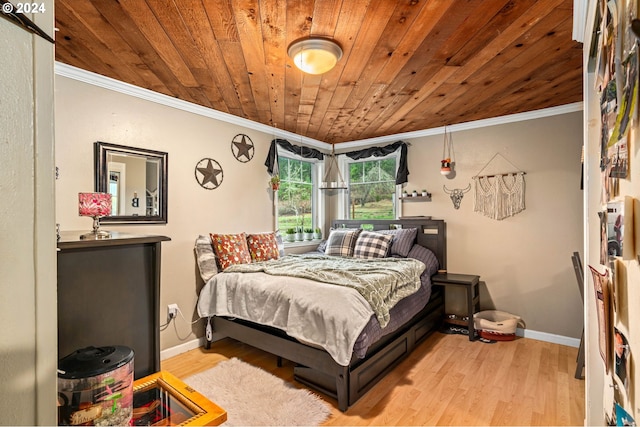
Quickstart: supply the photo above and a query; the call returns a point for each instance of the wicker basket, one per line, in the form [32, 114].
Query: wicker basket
[496, 325]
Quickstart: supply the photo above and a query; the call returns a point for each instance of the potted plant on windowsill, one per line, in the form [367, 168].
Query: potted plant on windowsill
[291, 235]
[299, 236]
[308, 234]
[317, 234]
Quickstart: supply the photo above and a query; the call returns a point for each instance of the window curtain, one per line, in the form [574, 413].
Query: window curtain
[311, 153]
[272, 158]
[403, 170]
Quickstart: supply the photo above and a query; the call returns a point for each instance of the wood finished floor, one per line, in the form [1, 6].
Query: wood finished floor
[447, 380]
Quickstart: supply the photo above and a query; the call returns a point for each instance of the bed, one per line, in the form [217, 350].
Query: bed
[319, 368]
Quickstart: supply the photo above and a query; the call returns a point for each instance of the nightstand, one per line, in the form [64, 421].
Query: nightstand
[470, 283]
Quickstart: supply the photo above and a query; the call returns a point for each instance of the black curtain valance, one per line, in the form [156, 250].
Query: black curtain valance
[311, 153]
[305, 152]
[403, 170]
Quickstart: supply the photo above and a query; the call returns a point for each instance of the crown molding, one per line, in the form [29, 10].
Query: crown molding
[149, 95]
[88, 77]
[511, 118]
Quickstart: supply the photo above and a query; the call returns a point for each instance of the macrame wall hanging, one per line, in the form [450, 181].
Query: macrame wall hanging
[499, 195]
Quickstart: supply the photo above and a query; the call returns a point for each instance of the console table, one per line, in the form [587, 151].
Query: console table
[109, 294]
[471, 284]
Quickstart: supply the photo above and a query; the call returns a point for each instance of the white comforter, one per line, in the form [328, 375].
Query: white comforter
[321, 314]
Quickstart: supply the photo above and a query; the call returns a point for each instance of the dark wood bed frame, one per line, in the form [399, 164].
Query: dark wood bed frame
[315, 367]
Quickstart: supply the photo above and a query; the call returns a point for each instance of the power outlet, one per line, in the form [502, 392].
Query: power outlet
[172, 311]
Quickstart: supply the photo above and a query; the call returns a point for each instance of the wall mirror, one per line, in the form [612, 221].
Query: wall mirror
[137, 181]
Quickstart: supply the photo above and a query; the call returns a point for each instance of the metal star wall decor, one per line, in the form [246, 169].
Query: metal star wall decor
[242, 147]
[209, 174]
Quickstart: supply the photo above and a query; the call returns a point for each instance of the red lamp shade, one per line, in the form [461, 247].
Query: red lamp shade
[94, 204]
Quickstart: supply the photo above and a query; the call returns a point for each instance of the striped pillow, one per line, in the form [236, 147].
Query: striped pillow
[403, 240]
[372, 245]
[342, 242]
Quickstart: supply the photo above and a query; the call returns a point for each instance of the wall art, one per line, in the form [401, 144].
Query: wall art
[209, 174]
[242, 148]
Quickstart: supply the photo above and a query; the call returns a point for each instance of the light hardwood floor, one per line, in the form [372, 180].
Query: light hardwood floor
[447, 380]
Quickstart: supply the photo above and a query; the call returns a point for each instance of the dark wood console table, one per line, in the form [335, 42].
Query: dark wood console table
[109, 294]
[470, 282]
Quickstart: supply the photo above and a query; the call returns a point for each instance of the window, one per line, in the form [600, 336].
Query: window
[296, 207]
[372, 189]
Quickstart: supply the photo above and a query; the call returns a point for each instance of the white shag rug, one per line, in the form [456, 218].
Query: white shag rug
[254, 397]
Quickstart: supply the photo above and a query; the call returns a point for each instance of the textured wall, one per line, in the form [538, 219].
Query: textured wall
[27, 232]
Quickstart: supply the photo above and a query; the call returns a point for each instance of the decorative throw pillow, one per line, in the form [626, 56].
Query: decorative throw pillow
[230, 249]
[403, 240]
[372, 245]
[322, 246]
[342, 242]
[205, 258]
[263, 247]
[280, 243]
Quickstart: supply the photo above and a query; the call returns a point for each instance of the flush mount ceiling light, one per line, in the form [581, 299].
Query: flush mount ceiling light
[315, 55]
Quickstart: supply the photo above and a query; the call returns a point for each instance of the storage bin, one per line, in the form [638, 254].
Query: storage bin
[496, 325]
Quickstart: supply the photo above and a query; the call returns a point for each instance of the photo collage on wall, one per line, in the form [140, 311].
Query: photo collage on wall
[616, 81]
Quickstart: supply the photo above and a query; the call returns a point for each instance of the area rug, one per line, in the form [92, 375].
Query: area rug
[253, 397]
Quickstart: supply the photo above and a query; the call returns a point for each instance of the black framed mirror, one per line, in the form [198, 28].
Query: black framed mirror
[136, 178]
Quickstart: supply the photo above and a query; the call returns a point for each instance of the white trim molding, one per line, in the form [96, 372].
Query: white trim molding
[149, 95]
[546, 337]
[88, 77]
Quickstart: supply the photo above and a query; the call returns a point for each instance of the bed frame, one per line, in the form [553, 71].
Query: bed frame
[315, 367]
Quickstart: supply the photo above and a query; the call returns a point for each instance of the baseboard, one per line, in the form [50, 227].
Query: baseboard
[182, 348]
[526, 333]
[552, 338]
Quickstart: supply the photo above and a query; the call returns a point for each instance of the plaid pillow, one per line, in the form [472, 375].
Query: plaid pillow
[403, 240]
[263, 247]
[342, 242]
[230, 249]
[372, 245]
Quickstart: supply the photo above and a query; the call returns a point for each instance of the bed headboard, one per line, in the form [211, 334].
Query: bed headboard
[432, 233]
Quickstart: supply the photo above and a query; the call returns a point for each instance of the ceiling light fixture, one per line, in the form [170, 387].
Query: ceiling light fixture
[315, 55]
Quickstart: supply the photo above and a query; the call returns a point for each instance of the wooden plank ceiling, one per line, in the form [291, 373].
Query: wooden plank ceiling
[408, 64]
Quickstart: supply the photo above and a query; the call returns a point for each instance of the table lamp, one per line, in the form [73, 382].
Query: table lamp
[95, 205]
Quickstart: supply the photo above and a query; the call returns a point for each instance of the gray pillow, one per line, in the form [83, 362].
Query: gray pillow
[205, 258]
[280, 243]
[403, 240]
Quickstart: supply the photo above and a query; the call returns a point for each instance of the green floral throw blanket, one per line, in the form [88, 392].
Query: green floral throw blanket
[382, 281]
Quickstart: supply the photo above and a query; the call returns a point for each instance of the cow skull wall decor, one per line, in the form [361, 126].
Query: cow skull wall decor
[456, 194]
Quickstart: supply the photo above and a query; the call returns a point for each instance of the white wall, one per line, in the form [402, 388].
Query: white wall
[524, 260]
[27, 227]
[86, 113]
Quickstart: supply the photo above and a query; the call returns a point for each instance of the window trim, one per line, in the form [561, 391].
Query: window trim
[317, 205]
[344, 162]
